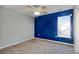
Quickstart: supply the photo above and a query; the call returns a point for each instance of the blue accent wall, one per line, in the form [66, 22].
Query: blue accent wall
[46, 26]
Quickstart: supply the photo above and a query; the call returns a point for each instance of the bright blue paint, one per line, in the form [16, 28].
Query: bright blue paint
[46, 26]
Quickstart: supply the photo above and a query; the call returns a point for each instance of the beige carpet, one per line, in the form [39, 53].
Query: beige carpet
[36, 46]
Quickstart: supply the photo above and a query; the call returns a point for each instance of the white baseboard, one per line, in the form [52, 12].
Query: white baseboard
[55, 41]
[14, 43]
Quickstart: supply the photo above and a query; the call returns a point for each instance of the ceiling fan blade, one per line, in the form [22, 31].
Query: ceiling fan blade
[36, 8]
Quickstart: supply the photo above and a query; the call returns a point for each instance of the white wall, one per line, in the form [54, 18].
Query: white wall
[76, 28]
[15, 27]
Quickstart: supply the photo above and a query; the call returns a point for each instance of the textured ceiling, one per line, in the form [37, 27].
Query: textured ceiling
[50, 8]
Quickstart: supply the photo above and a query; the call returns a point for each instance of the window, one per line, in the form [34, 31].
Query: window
[64, 26]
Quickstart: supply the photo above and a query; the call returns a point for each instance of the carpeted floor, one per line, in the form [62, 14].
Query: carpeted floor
[36, 46]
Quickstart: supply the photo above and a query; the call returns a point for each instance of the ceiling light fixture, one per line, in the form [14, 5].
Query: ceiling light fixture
[36, 13]
[36, 9]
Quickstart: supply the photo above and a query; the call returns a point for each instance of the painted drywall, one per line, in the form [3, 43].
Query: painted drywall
[15, 27]
[76, 28]
[46, 26]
